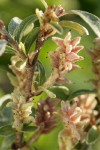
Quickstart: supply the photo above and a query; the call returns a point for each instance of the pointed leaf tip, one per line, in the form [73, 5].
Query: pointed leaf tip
[92, 135]
[56, 26]
[13, 24]
[92, 20]
[44, 3]
[76, 26]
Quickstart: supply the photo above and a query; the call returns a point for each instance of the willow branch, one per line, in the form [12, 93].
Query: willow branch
[31, 66]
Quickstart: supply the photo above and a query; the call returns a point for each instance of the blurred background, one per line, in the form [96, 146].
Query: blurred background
[80, 78]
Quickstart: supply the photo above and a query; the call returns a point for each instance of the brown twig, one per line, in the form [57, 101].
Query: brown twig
[31, 66]
[19, 141]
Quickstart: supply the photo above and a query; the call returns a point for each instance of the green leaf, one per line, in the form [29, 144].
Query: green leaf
[12, 79]
[92, 20]
[7, 142]
[41, 76]
[49, 93]
[44, 3]
[28, 29]
[6, 130]
[24, 27]
[28, 128]
[5, 116]
[4, 100]
[56, 26]
[3, 44]
[13, 24]
[22, 47]
[80, 92]
[29, 40]
[63, 88]
[9, 50]
[93, 135]
[76, 26]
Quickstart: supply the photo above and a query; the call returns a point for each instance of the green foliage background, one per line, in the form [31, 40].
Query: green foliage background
[80, 78]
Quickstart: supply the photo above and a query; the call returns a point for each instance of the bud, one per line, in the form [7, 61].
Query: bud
[71, 134]
[46, 115]
[87, 103]
[21, 110]
[51, 14]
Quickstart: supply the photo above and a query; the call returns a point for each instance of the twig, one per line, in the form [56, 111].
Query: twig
[19, 141]
[31, 66]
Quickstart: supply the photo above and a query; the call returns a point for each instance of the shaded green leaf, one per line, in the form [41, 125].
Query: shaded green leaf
[80, 92]
[4, 104]
[92, 20]
[76, 26]
[9, 50]
[28, 128]
[57, 27]
[31, 38]
[5, 116]
[41, 76]
[4, 100]
[13, 24]
[3, 44]
[93, 135]
[7, 142]
[6, 130]
[63, 88]
[12, 79]
[25, 24]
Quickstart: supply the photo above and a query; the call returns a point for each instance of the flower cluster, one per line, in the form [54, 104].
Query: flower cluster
[71, 134]
[87, 103]
[51, 13]
[21, 110]
[46, 115]
[63, 59]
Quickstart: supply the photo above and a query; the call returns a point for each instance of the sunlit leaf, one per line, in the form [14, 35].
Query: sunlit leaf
[31, 38]
[22, 47]
[44, 3]
[92, 20]
[80, 92]
[57, 27]
[3, 44]
[6, 130]
[28, 29]
[49, 93]
[76, 26]
[20, 30]
[93, 135]
[13, 24]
